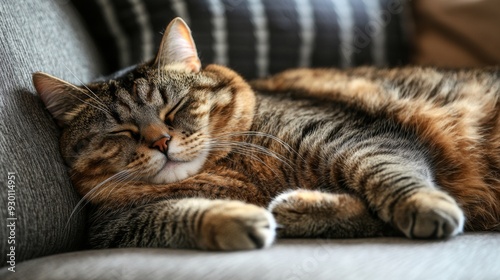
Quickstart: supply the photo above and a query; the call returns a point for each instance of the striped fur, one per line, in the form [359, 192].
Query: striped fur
[171, 155]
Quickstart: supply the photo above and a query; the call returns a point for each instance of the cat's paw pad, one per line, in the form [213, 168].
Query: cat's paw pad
[234, 225]
[430, 214]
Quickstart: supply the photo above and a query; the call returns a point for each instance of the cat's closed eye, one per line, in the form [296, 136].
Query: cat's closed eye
[170, 114]
[169, 122]
[131, 133]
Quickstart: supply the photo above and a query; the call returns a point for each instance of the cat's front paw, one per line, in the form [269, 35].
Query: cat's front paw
[307, 213]
[429, 214]
[293, 211]
[234, 225]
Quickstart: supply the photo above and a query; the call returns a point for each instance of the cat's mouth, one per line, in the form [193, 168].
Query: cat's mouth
[174, 170]
[169, 164]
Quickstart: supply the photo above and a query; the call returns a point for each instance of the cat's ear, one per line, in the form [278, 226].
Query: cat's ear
[177, 47]
[59, 97]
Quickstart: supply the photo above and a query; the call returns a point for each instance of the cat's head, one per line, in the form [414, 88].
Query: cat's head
[158, 123]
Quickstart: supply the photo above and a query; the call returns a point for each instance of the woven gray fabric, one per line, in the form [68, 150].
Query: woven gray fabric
[38, 36]
[472, 256]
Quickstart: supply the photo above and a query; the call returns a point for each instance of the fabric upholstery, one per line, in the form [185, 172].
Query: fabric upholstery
[255, 38]
[457, 33]
[472, 256]
[38, 36]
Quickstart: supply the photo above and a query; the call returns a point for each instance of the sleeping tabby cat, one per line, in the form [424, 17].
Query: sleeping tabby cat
[172, 155]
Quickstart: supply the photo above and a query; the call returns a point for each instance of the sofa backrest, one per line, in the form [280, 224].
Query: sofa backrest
[37, 36]
[255, 37]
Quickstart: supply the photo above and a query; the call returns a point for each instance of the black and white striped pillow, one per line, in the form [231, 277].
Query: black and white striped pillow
[254, 37]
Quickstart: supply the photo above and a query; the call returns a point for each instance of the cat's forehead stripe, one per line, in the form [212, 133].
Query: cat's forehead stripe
[117, 117]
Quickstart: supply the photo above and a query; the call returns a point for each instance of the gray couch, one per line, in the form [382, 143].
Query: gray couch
[46, 35]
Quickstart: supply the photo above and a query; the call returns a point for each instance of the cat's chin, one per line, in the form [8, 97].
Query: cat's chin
[174, 171]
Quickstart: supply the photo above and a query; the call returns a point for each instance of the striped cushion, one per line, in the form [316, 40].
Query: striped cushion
[254, 37]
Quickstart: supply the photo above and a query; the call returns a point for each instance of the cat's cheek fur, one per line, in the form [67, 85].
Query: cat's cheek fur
[152, 163]
[101, 157]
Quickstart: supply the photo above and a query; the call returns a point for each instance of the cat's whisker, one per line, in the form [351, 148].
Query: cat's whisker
[223, 136]
[248, 154]
[251, 148]
[113, 185]
[99, 187]
[254, 147]
[95, 97]
[87, 197]
[106, 111]
[261, 134]
[117, 183]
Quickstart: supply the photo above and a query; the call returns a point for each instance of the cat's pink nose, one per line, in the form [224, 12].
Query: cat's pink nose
[162, 144]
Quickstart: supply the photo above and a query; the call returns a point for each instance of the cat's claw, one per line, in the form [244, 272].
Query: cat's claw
[238, 226]
[430, 214]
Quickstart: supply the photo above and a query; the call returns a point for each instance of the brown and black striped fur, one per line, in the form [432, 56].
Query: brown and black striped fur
[172, 155]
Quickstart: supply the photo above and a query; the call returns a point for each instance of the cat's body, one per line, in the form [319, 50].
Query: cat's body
[329, 153]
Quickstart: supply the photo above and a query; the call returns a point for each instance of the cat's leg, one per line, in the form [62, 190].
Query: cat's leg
[401, 190]
[305, 213]
[193, 223]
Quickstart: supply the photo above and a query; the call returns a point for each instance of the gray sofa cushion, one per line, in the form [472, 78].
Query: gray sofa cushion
[38, 36]
[472, 256]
